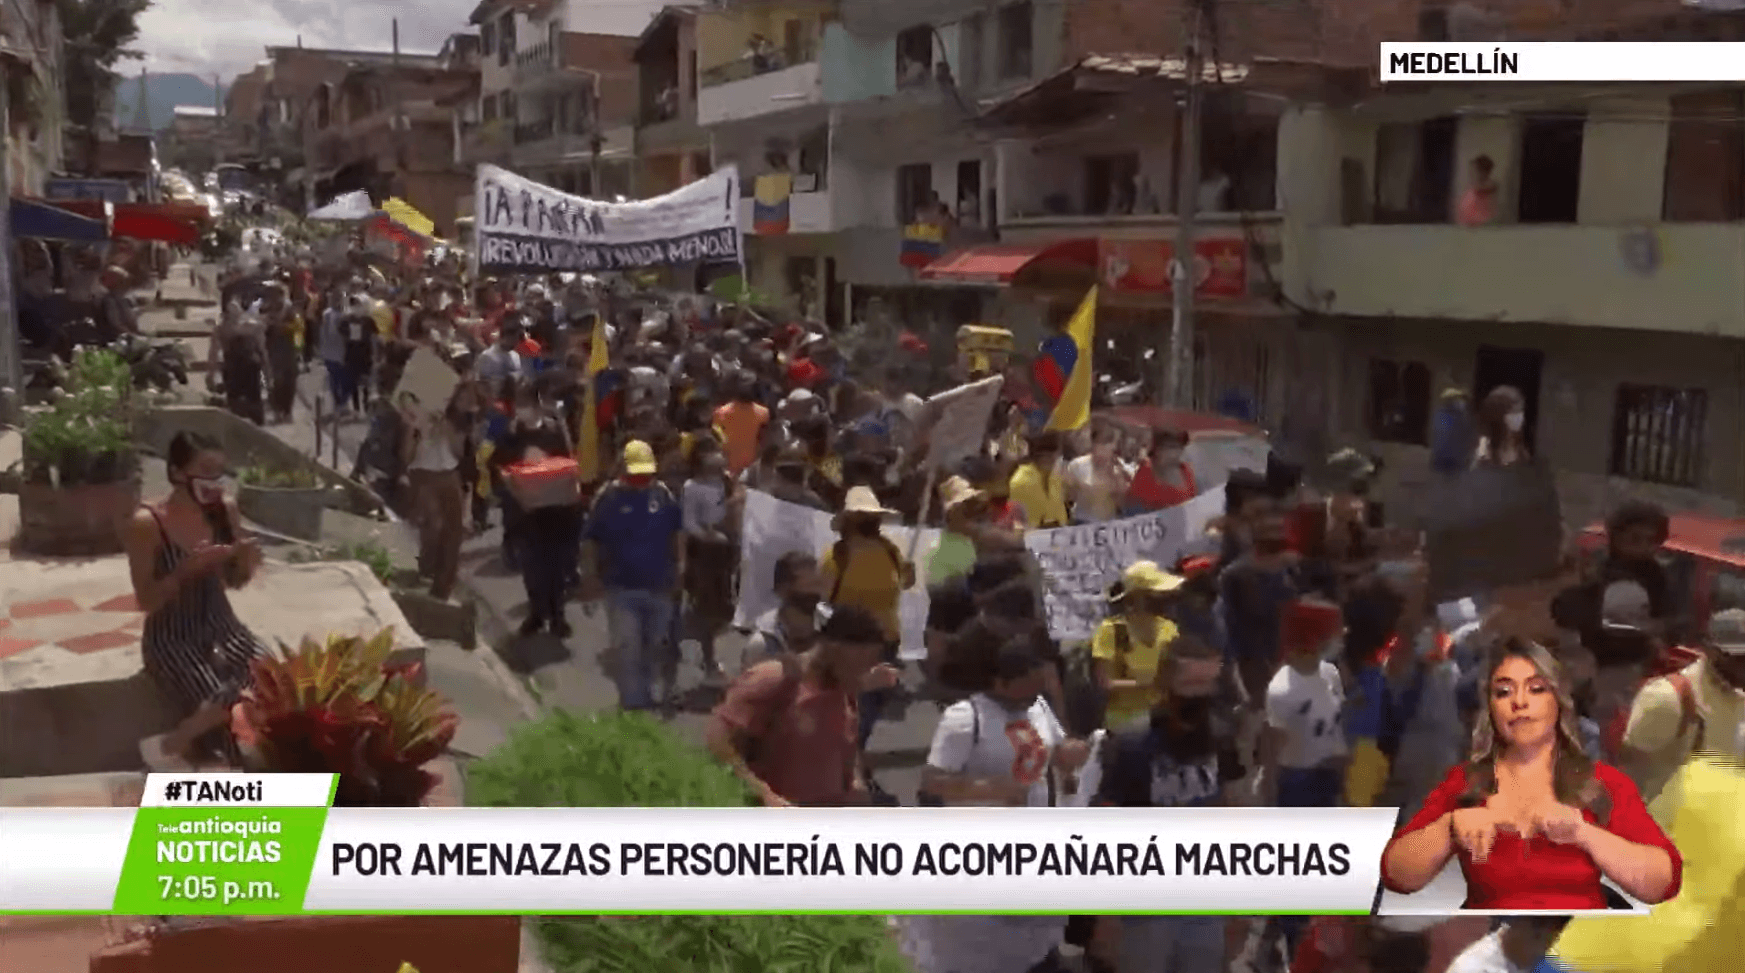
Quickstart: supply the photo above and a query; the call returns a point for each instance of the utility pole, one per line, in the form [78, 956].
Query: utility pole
[399, 126]
[1178, 366]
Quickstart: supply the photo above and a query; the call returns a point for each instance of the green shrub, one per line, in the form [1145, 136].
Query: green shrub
[631, 760]
[87, 435]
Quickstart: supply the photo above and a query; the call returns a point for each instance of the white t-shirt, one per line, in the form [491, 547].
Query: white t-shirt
[1485, 956]
[1306, 708]
[1094, 496]
[980, 737]
[495, 364]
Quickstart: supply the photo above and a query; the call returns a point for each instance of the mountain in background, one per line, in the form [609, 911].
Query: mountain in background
[163, 92]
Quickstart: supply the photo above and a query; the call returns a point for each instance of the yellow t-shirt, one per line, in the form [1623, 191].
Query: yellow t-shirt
[1138, 662]
[1042, 497]
[875, 580]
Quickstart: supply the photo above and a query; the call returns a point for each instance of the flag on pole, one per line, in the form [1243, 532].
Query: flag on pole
[1070, 353]
[588, 439]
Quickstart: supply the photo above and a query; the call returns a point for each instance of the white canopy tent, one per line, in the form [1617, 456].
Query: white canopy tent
[347, 208]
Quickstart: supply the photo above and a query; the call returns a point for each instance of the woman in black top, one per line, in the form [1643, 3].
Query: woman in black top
[547, 538]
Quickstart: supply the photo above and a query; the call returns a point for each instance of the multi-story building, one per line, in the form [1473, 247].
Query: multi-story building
[191, 141]
[245, 115]
[384, 128]
[671, 148]
[574, 94]
[498, 23]
[293, 78]
[31, 61]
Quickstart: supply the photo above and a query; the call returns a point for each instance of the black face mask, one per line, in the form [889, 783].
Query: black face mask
[868, 528]
[1188, 726]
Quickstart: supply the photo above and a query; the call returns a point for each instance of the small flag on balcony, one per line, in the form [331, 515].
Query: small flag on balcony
[923, 243]
[769, 210]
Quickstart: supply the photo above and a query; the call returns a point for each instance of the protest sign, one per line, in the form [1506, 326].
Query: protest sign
[428, 379]
[526, 227]
[1080, 563]
[959, 421]
[1491, 527]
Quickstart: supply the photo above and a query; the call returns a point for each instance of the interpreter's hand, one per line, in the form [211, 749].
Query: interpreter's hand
[884, 676]
[1475, 830]
[1558, 822]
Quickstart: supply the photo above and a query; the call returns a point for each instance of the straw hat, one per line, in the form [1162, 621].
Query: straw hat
[862, 502]
[955, 492]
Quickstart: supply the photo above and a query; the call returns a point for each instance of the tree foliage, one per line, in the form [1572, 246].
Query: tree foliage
[98, 35]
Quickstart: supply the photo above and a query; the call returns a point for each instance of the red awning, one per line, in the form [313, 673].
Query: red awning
[164, 222]
[996, 263]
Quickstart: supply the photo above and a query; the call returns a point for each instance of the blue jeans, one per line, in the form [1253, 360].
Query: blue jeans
[641, 625]
[339, 384]
[1305, 787]
[1172, 944]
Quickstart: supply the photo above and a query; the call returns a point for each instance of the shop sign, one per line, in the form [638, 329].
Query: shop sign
[1148, 266]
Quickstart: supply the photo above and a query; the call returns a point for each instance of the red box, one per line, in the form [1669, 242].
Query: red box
[549, 482]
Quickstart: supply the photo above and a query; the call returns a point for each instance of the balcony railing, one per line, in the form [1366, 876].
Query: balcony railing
[751, 64]
[535, 131]
[538, 59]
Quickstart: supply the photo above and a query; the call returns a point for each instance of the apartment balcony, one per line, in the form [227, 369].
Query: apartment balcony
[750, 87]
[1685, 277]
[546, 67]
[550, 142]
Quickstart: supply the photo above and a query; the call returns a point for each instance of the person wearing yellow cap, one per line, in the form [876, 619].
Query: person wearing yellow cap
[636, 531]
[1128, 646]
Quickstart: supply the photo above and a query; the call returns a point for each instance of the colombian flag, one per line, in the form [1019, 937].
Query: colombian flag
[769, 209]
[588, 438]
[1378, 716]
[1063, 369]
[923, 243]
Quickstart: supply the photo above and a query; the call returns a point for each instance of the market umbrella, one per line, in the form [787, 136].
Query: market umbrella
[347, 208]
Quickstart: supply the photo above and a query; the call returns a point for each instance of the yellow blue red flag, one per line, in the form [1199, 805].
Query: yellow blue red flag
[1068, 354]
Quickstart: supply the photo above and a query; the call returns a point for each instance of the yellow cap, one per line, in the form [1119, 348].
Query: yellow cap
[1146, 576]
[639, 459]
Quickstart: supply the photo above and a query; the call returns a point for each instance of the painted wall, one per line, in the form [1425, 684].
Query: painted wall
[860, 68]
[723, 36]
[1578, 273]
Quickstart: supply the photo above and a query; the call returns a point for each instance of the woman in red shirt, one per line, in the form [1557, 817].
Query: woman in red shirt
[1163, 479]
[1535, 823]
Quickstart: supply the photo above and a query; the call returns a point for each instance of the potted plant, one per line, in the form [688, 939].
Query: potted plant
[288, 500]
[339, 707]
[80, 467]
[631, 760]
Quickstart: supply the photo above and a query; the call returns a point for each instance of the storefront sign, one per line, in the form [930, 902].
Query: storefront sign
[1148, 266]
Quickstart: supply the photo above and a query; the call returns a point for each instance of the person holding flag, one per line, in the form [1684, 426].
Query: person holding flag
[1036, 484]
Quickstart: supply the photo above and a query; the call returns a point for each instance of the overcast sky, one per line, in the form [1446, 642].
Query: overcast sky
[229, 36]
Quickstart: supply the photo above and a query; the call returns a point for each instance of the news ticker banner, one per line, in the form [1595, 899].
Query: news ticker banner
[252, 844]
[1647, 61]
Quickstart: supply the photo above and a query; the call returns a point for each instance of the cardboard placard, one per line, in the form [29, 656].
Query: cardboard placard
[958, 421]
[1491, 527]
[429, 379]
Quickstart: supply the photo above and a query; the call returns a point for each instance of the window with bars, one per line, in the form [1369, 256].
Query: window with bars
[1658, 434]
[1398, 402]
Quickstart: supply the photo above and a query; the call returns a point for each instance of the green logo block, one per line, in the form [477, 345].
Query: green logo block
[219, 861]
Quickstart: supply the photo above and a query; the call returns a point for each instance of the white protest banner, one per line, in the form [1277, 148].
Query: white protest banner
[772, 528]
[1080, 563]
[958, 421]
[526, 227]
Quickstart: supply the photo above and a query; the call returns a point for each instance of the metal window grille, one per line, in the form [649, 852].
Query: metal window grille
[1658, 434]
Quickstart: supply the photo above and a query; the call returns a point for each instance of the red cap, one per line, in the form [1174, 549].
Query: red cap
[1310, 623]
[1190, 567]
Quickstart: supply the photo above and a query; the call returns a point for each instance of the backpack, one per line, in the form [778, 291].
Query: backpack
[1085, 702]
[1669, 666]
[839, 556]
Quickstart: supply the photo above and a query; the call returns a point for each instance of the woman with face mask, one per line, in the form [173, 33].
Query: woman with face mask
[1163, 479]
[183, 552]
[1502, 420]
